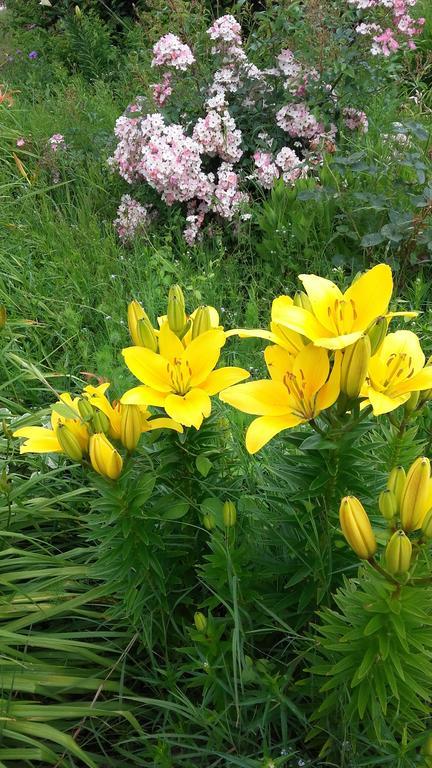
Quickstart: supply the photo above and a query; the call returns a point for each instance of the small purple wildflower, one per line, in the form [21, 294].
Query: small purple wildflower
[33, 55]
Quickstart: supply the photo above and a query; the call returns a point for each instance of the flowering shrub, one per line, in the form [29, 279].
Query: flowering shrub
[397, 27]
[259, 124]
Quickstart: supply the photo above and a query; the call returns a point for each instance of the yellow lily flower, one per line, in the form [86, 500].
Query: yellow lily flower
[180, 379]
[96, 396]
[44, 440]
[338, 319]
[298, 390]
[394, 372]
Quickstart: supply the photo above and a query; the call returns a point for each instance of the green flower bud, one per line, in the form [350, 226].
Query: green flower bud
[86, 409]
[69, 442]
[387, 504]
[100, 422]
[229, 513]
[412, 403]
[200, 621]
[209, 521]
[176, 312]
[146, 334]
[377, 333]
[396, 483]
[398, 553]
[201, 322]
[301, 299]
[354, 367]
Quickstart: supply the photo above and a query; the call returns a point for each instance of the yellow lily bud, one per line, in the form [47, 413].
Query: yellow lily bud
[86, 409]
[427, 525]
[201, 322]
[3, 317]
[176, 313]
[100, 422]
[146, 334]
[130, 426]
[68, 442]
[301, 299]
[229, 514]
[377, 332]
[200, 621]
[387, 504]
[104, 458]
[209, 522]
[354, 367]
[412, 403]
[415, 495]
[78, 12]
[140, 333]
[398, 553]
[396, 483]
[356, 527]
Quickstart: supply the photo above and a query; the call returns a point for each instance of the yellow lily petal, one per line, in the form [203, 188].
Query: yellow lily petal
[163, 423]
[263, 429]
[290, 340]
[300, 320]
[260, 398]
[371, 295]
[38, 440]
[338, 342]
[170, 345]
[329, 393]
[418, 382]
[222, 378]
[143, 396]
[409, 314]
[311, 367]
[202, 355]
[189, 409]
[252, 333]
[278, 361]
[382, 403]
[323, 295]
[148, 367]
[403, 342]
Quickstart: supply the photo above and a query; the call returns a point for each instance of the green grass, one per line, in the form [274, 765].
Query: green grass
[100, 672]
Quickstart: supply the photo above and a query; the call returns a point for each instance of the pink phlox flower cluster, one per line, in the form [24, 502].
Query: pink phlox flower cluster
[195, 219]
[162, 91]
[291, 166]
[226, 29]
[266, 170]
[56, 142]
[227, 197]
[163, 156]
[368, 29]
[288, 65]
[217, 135]
[298, 121]
[20, 142]
[132, 218]
[355, 119]
[385, 41]
[169, 51]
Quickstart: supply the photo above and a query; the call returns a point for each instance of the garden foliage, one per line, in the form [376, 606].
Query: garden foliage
[215, 445]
